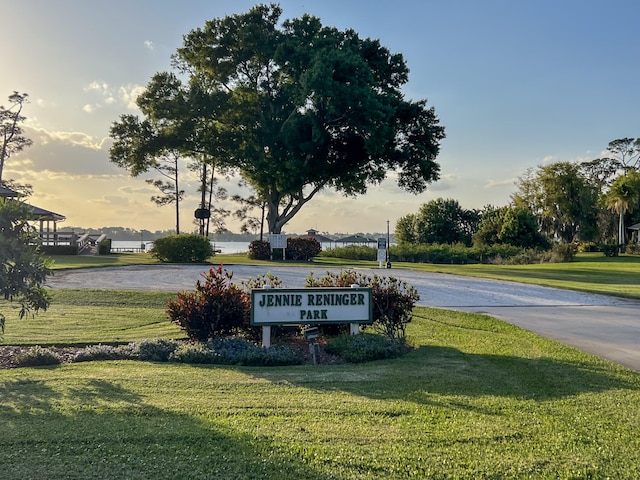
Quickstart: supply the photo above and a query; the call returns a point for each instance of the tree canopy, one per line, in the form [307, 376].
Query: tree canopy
[438, 221]
[294, 107]
[23, 268]
[562, 198]
[12, 139]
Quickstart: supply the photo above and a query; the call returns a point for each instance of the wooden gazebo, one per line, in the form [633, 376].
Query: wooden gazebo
[48, 220]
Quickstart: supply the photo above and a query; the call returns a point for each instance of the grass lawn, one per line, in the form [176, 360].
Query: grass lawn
[476, 398]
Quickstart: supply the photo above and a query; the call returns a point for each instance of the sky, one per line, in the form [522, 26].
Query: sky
[517, 84]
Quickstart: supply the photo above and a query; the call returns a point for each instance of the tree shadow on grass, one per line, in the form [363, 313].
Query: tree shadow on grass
[98, 429]
[431, 370]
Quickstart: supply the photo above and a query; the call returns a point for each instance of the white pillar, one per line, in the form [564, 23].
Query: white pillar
[266, 336]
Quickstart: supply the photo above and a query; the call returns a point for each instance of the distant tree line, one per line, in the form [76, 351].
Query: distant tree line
[562, 202]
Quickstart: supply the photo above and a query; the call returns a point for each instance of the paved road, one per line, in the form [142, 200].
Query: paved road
[605, 326]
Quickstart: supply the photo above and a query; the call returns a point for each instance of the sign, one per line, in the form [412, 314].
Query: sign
[280, 306]
[382, 250]
[277, 240]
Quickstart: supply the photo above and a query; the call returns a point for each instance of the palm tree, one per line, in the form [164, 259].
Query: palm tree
[623, 197]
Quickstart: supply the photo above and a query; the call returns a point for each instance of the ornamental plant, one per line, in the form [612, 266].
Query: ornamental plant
[189, 248]
[393, 299]
[217, 307]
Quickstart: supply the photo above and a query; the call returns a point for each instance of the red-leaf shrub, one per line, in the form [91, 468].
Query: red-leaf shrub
[216, 307]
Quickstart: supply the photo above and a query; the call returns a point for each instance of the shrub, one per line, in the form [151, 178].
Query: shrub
[588, 247]
[393, 299]
[158, 350]
[452, 254]
[303, 248]
[97, 352]
[259, 250]
[104, 247]
[188, 248]
[610, 249]
[353, 252]
[216, 307]
[37, 356]
[365, 347]
[236, 351]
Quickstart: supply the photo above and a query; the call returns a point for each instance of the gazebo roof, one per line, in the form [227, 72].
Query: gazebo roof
[7, 192]
[635, 226]
[42, 214]
[311, 233]
[357, 238]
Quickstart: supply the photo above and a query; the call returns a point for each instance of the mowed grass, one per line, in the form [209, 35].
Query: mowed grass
[79, 317]
[590, 272]
[476, 398]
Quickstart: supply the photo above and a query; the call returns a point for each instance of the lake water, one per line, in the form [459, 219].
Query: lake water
[225, 247]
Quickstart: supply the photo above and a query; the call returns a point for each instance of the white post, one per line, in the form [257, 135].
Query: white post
[354, 327]
[266, 336]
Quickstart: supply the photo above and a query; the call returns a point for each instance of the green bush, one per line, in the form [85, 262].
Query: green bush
[37, 356]
[364, 347]
[236, 351]
[452, 254]
[259, 250]
[393, 299]
[302, 249]
[187, 248]
[216, 307]
[354, 252]
[104, 247]
[158, 350]
[98, 352]
[610, 249]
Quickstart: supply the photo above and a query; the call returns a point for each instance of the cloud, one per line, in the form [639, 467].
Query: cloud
[509, 182]
[129, 94]
[125, 95]
[149, 45]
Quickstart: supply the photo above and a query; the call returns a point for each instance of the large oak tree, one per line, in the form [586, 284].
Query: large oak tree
[294, 107]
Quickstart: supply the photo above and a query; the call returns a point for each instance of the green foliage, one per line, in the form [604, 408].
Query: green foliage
[513, 225]
[610, 249]
[302, 249]
[37, 356]
[158, 350]
[259, 250]
[438, 221]
[101, 352]
[281, 92]
[23, 268]
[452, 254]
[236, 351]
[393, 299]
[216, 307]
[104, 247]
[563, 200]
[352, 252]
[185, 248]
[364, 347]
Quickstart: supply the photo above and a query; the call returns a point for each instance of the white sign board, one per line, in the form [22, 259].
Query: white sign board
[280, 306]
[277, 240]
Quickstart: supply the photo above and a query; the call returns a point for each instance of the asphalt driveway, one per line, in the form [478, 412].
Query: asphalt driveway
[605, 326]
